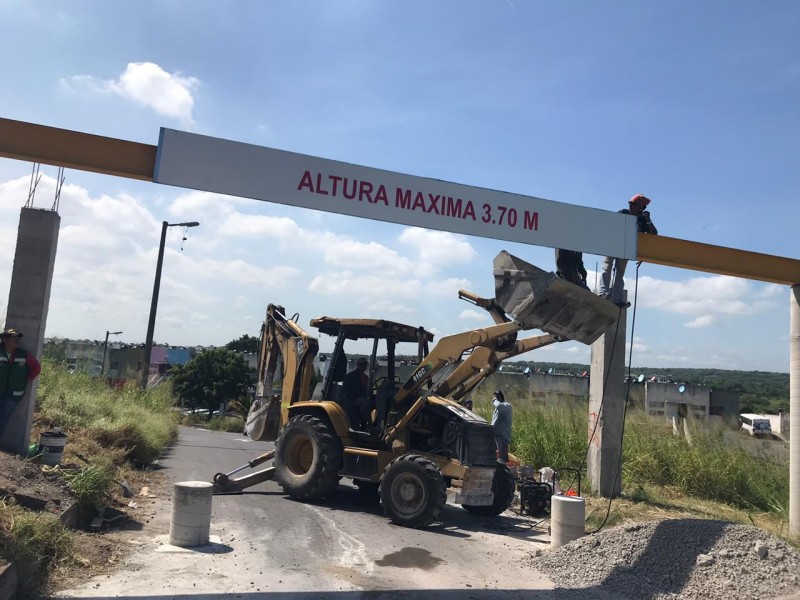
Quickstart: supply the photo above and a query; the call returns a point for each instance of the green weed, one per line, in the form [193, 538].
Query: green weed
[90, 485]
[35, 541]
[711, 467]
[140, 422]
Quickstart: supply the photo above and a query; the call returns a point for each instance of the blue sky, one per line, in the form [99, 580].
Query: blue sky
[693, 104]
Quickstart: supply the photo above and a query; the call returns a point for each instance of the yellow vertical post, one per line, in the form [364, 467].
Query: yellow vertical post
[794, 414]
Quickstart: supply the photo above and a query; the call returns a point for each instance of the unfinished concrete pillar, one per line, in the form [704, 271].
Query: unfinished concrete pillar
[794, 413]
[607, 370]
[28, 301]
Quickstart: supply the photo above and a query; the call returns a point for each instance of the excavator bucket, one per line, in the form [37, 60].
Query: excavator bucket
[263, 423]
[537, 299]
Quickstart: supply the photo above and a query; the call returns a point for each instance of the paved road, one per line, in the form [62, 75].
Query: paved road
[266, 545]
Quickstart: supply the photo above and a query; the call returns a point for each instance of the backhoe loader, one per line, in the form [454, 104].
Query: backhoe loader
[419, 448]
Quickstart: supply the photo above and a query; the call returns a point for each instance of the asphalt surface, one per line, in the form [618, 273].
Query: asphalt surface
[268, 546]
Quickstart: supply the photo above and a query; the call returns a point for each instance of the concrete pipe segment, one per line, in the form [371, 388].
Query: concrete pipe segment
[567, 515]
[191, 514]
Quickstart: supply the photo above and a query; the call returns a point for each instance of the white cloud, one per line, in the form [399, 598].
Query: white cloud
[447, 287]
[371, 256]
[349, 285]
[439, 248]
[639, 345]
[282, 228]
[703, 296]
[472, 315]
[388, 308]
[147, 84]
[336, 250]
[205, 207]
[700, 322]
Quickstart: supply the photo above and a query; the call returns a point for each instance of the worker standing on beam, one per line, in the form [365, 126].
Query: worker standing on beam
[636, 206]
[569, 266]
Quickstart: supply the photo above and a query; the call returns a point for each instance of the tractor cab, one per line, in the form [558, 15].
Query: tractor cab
[392, 351]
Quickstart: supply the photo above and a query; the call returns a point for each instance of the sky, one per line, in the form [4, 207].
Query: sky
[692, 103]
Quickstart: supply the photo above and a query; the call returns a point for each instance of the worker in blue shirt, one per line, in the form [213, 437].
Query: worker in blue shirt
[501, 422]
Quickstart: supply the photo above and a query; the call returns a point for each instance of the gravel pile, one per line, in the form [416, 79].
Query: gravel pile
[676, 559]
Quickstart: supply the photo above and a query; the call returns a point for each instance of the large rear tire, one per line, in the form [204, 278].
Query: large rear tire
[308, 457]
[503, 489]
[412, 491]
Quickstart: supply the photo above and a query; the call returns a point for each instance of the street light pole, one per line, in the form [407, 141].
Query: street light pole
[151, 324]
[105, 347]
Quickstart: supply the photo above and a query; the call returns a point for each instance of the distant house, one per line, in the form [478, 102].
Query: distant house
[694, 401]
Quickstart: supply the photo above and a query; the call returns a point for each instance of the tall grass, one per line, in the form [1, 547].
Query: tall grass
[36, 541]
[90, 485]
[547, 437]
[711, 467]
[140, 422]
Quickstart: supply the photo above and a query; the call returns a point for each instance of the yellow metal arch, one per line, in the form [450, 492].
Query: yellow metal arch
[83, 151]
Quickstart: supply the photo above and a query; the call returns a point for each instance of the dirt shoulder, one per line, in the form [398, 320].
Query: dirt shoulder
[36, 499]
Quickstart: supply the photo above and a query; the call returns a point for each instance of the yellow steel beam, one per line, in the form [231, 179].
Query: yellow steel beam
[76, 150]
[684, 254]
[110, 156]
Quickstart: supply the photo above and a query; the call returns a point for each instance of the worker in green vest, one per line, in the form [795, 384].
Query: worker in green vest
[17, 368]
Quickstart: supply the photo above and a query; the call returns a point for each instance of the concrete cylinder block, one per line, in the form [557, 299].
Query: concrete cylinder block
[191, 514]
[567, 516]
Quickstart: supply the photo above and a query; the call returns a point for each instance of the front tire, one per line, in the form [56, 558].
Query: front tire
[308, 457]
[412, 491]
[503, 489]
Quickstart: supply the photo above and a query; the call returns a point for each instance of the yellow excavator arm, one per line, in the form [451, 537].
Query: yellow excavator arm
[483, 362]
[285, 346]
[448, 350]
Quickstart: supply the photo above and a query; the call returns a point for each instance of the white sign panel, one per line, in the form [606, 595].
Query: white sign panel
[211, 164]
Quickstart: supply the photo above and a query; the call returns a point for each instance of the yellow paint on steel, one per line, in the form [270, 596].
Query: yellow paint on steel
[122, 158]
[76, 150]
[684, 254]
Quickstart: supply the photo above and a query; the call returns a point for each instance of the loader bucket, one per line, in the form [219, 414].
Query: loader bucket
[263, 422]
[537, 299]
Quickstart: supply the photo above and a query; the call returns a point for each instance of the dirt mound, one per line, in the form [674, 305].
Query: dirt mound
[31, 487]
[677, 559]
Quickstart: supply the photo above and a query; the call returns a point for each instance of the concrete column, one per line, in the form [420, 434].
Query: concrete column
[28, 301]
[794, 414]
[608, 367]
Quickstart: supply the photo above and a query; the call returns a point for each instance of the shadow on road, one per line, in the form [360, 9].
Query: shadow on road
[455, 521]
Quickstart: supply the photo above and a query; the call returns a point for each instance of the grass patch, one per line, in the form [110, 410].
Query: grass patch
[90, 485]
[36, 541]
[113, 429]
[127, 423]
[229, 424]
[710, 468]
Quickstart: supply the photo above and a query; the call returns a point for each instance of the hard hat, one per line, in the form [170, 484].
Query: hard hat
[640, 198]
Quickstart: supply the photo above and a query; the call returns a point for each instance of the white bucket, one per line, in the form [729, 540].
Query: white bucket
[567, 516]
[191, 514]
[51, 447]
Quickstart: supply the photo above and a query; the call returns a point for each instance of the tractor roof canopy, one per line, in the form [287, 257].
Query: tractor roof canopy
[356, 329]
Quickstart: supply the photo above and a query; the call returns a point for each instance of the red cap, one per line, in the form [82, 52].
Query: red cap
[639, 198]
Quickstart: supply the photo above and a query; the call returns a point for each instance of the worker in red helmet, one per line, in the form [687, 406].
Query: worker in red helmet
[637, 206]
